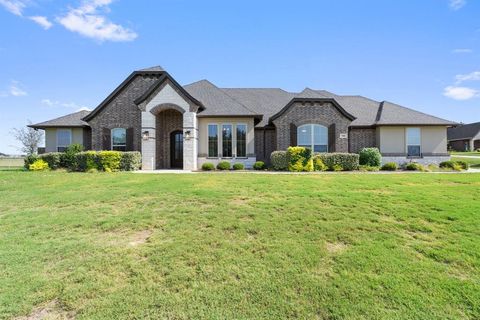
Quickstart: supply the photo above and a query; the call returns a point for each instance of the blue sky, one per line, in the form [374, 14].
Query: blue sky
[59, 56]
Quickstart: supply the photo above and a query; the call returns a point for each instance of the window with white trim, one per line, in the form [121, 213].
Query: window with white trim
[64, 139]
[313, 136]
[119, 139]
[241, 140]
[212, 140]
[414, 139]
[227, 140]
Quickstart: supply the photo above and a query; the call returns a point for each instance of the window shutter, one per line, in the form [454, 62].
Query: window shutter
[331, 138]
[293, 135]
[130, 139]
[106, 139]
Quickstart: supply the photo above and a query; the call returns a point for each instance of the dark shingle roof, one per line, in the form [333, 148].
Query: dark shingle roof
[216, 101]
[154, 68]
[465, 131]
[70, 120]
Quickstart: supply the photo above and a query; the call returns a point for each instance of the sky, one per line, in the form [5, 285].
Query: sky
[57, 57]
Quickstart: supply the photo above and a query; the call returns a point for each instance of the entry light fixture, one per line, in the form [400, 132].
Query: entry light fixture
[145, 135]
[187, 134]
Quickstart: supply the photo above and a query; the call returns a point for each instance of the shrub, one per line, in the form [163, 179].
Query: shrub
[131, 161]
[68, 158]
[30, 159]
[52, 158]
[390, 166]
[369, 168]
[259, 165]
[87, 161]
[223, 165]
[299, 159]
[208, 166]
[38, 165]
[464, 165]
[109, 160]
[279, 160]
[413, 166]
[454, 165]
[318, 164]
[238, 166]
[370, 157]
[348, 161]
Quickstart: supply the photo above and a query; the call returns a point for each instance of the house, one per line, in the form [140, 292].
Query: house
[465, 137]
[177, 126]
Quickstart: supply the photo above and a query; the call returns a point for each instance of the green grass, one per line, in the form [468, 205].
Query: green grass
[475, 153]
[340, 246]
[474, 163]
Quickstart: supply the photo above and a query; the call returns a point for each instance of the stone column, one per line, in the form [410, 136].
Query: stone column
[148, 145]
[190, 141]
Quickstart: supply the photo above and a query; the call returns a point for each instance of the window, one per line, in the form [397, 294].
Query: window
[227, 140]
[64, 139]
[212, 140]
[313, 136]
[413, 142]
[241, 140]
[119, 139]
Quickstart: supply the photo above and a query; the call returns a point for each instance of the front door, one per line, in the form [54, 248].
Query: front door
[176, 149]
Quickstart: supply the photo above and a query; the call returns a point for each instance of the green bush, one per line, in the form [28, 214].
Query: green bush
[109, 160]
[208, 166]
[318, 164]
[369, 168]
[223, 165]
[348, 161]
[454, 165]
[238, 166]
[87, 161]
[30, 159]
[68, 159]
[279, 160]
[463, 164]
[38, 165]
[259, 165]
[370, 157]
[299, 159]
[413, 166]
[131, 161]
[390, 166]
[52, 158]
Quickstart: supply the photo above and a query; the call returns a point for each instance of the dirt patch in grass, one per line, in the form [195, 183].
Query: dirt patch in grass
[240, 201]
[50, 311]
[140, 237]
[335, 247]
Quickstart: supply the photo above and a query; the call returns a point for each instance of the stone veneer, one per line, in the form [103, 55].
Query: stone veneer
[312, 112]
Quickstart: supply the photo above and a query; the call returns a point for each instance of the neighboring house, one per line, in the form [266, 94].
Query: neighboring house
[178, 126]
[464, 137]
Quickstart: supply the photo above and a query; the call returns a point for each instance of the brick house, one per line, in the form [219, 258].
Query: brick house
[464, 137]
[176, 126]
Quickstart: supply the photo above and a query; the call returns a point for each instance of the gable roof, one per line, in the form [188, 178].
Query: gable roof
[464, 131]
[217, 102]
[70, 120]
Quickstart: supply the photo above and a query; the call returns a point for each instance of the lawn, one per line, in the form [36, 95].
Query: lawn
[216, 246]
[474, 162]
[474, 153]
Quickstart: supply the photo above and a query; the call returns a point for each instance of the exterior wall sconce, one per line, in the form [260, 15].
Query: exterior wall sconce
[145, 135]
[187, 134]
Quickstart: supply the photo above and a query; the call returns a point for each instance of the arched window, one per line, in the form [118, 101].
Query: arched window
[313, 136]
[119, 139]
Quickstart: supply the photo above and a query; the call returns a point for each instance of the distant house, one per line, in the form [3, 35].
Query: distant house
[465, 137]
[176, 126]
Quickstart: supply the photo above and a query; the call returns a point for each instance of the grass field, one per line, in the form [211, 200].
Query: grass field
[216, 246]
[453, 153]
[474, 163]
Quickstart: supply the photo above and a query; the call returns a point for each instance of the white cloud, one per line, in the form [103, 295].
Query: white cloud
[69, 105]
[87, 21]
[473, 76]
[462, 51]
[42, 21]
[15, 89]
[14, 6]
[460, 93]
[457, 4]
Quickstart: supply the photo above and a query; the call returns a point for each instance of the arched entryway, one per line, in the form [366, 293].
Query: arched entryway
[176, 149]
[168, 124]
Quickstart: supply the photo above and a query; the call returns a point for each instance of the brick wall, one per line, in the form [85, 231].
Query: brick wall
[362, 138]
[166, 122]
[318, 113]
[459, 145]
[122, 112]
[265, 144]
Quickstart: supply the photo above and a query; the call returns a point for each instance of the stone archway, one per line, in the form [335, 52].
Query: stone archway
[166, 122]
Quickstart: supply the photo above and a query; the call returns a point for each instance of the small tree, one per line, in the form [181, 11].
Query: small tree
[29, 138]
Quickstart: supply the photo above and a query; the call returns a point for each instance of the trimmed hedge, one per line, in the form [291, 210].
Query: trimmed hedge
[340, 161]
[208, 166]
[299, 159]
[110, 160]
[238, 166]
[130, 161]
[53, 159]
[259, 165]
[318, 164]
[68, 158]
[279, 160]
[370, 157]
[223, 165]
[87, 160]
